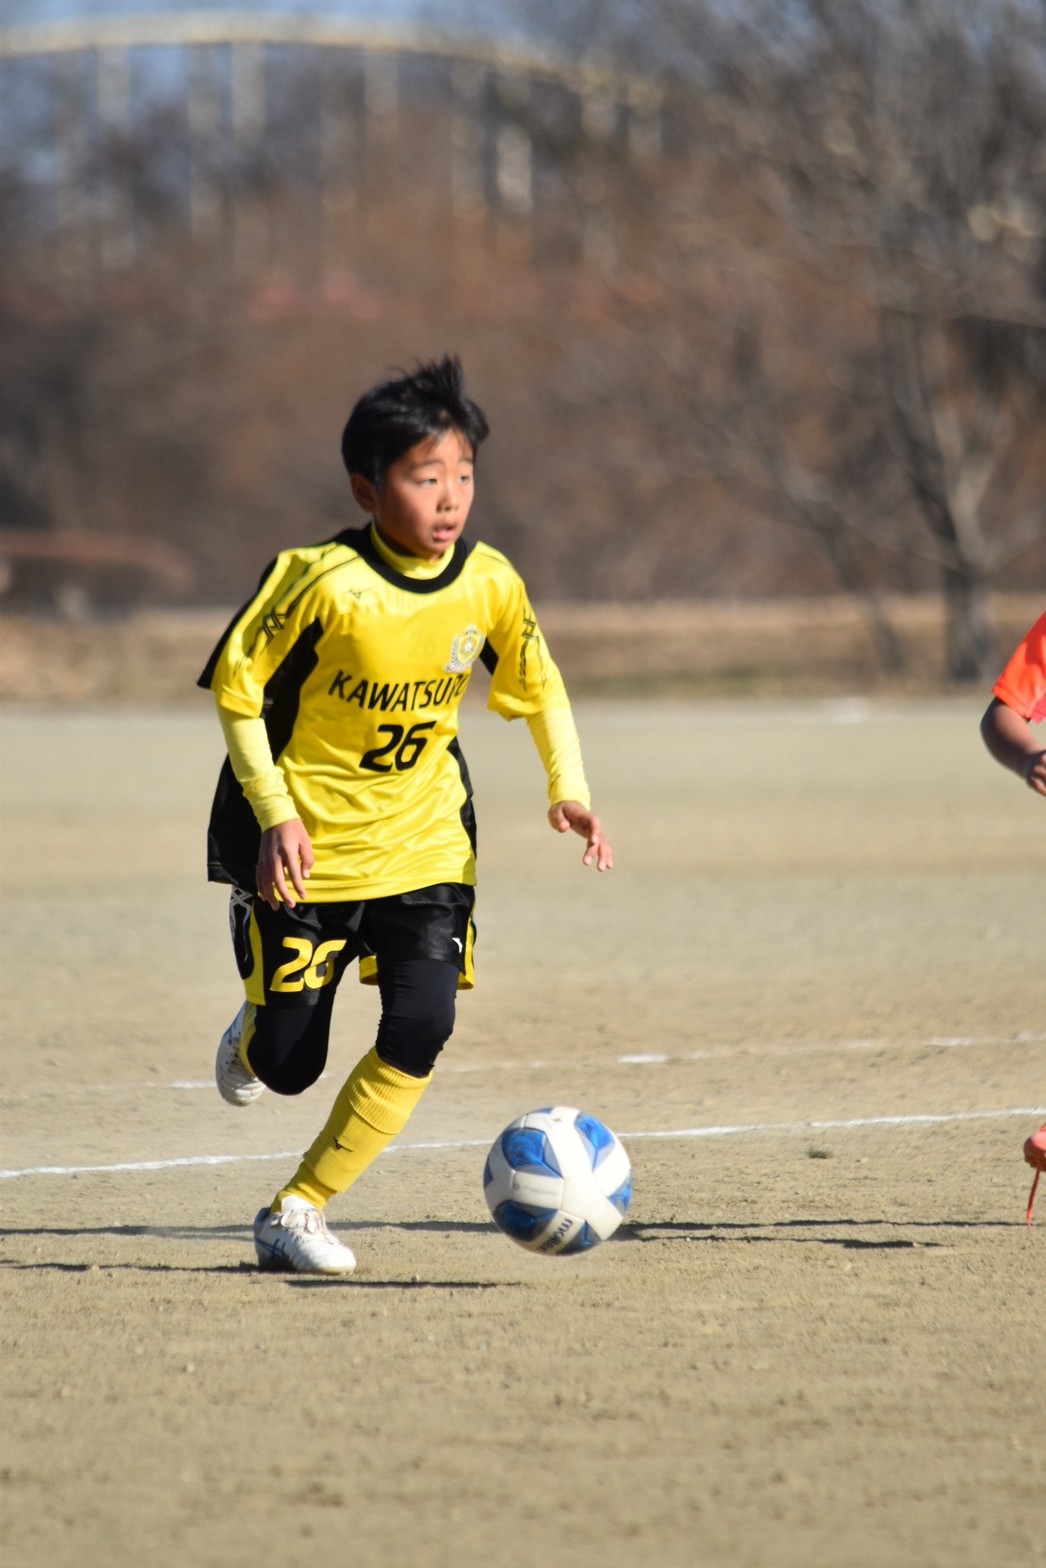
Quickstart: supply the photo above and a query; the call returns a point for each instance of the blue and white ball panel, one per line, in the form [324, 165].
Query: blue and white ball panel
[530, 1149]
[557, 1181]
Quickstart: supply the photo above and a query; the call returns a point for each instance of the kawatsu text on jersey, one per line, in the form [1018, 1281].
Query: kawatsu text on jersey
[398, 696]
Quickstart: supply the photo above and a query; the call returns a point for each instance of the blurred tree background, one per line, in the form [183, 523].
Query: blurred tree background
[754, 295]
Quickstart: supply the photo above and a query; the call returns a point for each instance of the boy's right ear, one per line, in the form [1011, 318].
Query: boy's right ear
[364, 493]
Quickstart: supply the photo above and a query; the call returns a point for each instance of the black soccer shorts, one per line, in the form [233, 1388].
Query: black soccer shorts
[287, 958]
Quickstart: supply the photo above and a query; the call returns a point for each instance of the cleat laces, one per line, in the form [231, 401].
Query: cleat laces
[309, 1220]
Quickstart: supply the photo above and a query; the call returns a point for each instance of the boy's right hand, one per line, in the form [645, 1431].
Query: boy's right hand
[285, 860]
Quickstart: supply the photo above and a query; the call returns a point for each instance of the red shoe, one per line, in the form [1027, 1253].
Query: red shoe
[1035, 1154]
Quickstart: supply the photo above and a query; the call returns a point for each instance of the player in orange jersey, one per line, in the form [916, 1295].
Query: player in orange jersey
[1018, 702]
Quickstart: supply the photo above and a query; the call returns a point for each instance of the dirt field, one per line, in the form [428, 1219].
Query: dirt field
[812, 1001]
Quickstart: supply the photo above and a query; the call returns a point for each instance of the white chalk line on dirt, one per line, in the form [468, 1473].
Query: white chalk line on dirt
[742, 1129]
[768, 1048]
[713, 1053]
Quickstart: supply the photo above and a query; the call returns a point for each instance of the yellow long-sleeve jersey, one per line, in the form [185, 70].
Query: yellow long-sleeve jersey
[357, 659]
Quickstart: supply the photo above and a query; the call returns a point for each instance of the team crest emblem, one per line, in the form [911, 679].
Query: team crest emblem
[465, 650]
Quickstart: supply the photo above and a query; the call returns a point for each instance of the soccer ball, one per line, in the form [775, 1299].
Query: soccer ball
[557, 1181]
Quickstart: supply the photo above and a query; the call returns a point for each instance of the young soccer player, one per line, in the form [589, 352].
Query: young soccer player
[343, 817]
[1018, 702]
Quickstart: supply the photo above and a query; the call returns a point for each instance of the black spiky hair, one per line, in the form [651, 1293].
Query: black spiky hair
[399, 413]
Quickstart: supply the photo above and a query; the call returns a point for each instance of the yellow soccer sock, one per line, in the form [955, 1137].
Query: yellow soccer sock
[304, 1185]
[374, 1104]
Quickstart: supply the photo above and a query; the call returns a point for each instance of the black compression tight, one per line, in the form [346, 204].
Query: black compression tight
[418, 997]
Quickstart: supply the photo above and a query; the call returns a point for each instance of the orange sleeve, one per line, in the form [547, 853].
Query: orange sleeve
[1022, 684]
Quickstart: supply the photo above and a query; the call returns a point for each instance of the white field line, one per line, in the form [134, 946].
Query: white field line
[768, 1048]
[749, 1129]
[713, 1053]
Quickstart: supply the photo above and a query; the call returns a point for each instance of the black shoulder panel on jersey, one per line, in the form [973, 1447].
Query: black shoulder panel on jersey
[349, 537]
[233, 835]
[207, 674]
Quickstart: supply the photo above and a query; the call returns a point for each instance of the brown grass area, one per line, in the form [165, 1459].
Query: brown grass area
[786, 646]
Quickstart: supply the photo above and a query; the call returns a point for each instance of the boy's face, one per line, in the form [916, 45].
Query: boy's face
[424, 500]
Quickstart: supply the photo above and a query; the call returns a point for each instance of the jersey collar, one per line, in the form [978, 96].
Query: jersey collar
[406, 571]
[408, 565]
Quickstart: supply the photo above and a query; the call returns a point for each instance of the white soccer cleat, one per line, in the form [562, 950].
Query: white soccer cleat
[237, 1085]
[295, 1239]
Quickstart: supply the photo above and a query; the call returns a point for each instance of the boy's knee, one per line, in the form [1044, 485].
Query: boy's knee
[289, 1049]
[286, 1077]
[413, 1044]
[418, 1011]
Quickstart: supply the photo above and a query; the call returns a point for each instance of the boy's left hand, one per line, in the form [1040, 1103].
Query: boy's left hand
[571, 815]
